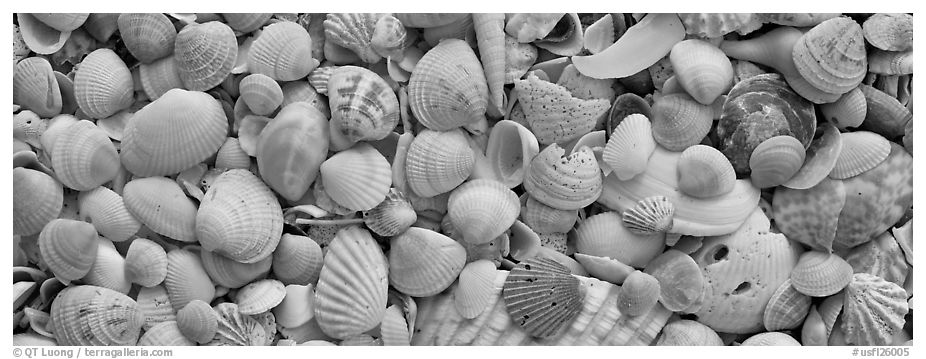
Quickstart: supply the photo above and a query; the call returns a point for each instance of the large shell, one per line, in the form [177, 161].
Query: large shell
[771, 339]
[831, 56]
[164, 334]
[639, 293]
[229, 273]
[564, 182]
[205, 54]
[544, 219]
[283, 51]
[246, 22]
[260, 296]
[861, 151]
[354, 32]
[775, 161]
[291, 149]
[680, 122]
[238, 329]
[160, 204]
[820, 274]
[159, 76]
[91, 315]
[145, 263]
[713, 25]
[39, 37]
[68, 248]
[261, 93]
[186, 279]
[702, 69]
[886, 115]
[688, 333]
[874, 310]
[630, 146]
[704, 172]
[423, 263]
[681, 282]
[148, 36]
[476, 288]
[809, 216]
[154, 303]
[84, 157]
[103, 84]
[482, 209]
[554, 114]
[604, 235]
[363, 106]
[542, 297]
[358, 178]
[106, 210]
[297, 260]
[651, 215]
[35, 87]
[448, 88]
[389, 38]
[37, 199]
[786, 308]
[438, 162]
[352, 287]
[890, 32]
[391, 216]
[882, 256]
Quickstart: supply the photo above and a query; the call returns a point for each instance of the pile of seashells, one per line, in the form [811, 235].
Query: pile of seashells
[481, 179]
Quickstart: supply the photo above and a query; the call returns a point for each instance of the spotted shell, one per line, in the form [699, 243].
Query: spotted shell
[820, 274]
[532, 288]
[291, 149]
[164, 334]
[35, 87]
[874, 310]
[544, 219]
[680, 122]
[236, 329]
[160, 204]
[861, 151]
[186, 279]
[447, 88]
[482, 209]
[564, 182]
[159, 76]
[106, 210]
[37, 200]
[604, 235]
[146, 263]
[438, 162]
[704, 172]
[283, 51]
[688, 333]
[831, 56]
[716, 25]
[103, 84]
[554, 114]
[91, 315]
[84, 157]
[775, 160]
[651, 215]
[246, 22]
[890, 32]
[810, 216]
[68, 247]
[391, 216]
[848, 111]
[423, 263]
[630, 146]
[229, 273]
[354, 32]
[205, 54]
[363, 106]
[786, 308]
[298, 260]
[639, 293]
[702, 69]
[882, 256]
[147, 36]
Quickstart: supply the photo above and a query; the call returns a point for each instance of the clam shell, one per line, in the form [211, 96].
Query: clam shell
[890, 63]
[260, 296]
[476, 288]
[423, 263]
[679, 122]
[297, 307]
[292, 148]
[639, 294]
[605, 235]
[861, 151]
[37, 199]
[39, 37]
[702, 69]
[363, 106]
[146, 263]
[882, 256]
[544, 219]
[564, 182]
[532, 288]
[510, 148]
[68, 248]
[518, 60]
[890, 32]
[231, 155]
[874, 310]
[810, 216]
[205, 54]
[771, 339]
[35, 87]
[164, 334]
[820, 159]
[680, 279]
[814, 331]
[831, 56]
[391, 216]
[186, 279]
[261, 93]
[148, 37]
[160, 76]
[230, 273]
[651, 215]
[84, 157]
[354, 32]
[786, 308]
[604, 268]
[283, 51]
[101, 25]
[62, 21]
[394, 328]
[554, 114]
[145, 197]
[482, 210]
[106, 210]
[716, 25]
[246, 22]
[352, 287]
[775, 160]
[630, 146]
[389, 37]
[490, 36]
[438, 162]
[448, 89]
[638, 48]
[236, 329]
[885, 116]
[625, 105]
[103, 84]
[704, 172]
[154, 303]
[91, 315]
[358, 178]
[427, 20]
[820, 274]
[688, 333]
[298, 260]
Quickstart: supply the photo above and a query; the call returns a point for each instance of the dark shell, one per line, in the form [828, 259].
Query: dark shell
[759, 108]
[625, 105]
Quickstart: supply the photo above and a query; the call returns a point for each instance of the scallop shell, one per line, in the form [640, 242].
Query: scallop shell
[148, 37]
[106, 210]
[688, 333]
[771, 339]
[605, 235]
[389, 37]
[820, 274]
[160, 76]
[391, 216]
[704, 172]
[103, 84]
[680, 122]
[292, 148]
[37, 199]
[173, 133]
[35, 87]
[260, 296]
[630, 146]
[394, 328]
[205, 54]
[363, 106]
[544, 219]
[164, 334]
[476, 288]
[231, 155]
[236, 329]
[890, 32]
[831, 56]
[186, 279]
[145, 197]
[702, 69]
[354, 32]
[246, 22]
[786, 308]
[542, 297]
[68, 248]
[717, 25]
[230, 273]
[861, 151]
[84, 157]
[154, 303]
[423, 263]
[554, 114]
[874, 310]
[438, 161]
[564, 182]
[298, 260]
[39, 37]
[775, 160]
[448, 89]
[91, 315]
[146, 263]
[482, 210]
[283, 51]
[261, 93]
[882, 256]
[639, 294]
[358, 178]
[651, 215]
[886, 115]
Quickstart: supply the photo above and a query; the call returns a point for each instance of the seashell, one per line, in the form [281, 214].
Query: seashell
[904, 237]
[103, 84]
[154, 303]
[260, 296]
[357, 178]
[29, 128]
[37, 200]
[146, 263]
[35, 87]
[797, 19]
[236, 329]
[39, 37]
[354, 32]
[302, 91]
[482, 210]
[106, 210]
[62, 21]
[630, 146]
[605, 235]
[427, 20]
[771, 339]
[145, 197]
[298, 260]
[814, 331]
[600, 34]
[651, 215]
[394, 328]
[882, 256]
[775, 161]
[447, 89]
[388, 37]
[638, 294]
[249, 132]
[490, 36]
[164, 334]
[423, 263]
[476, 288]
[148, 37]
[438, 161]
[848, 111]
[508, 163]
[205, 54]
[688, 333]
[246, 22]
[91, 315]
[874, 310]
[810, 216]
[831, 56]
[261, 93]
[889, 32]
[160, 76]
[679, 122]
[532, 288]
[392, 216]
[519, 57]
[528, 27]
[84, 157]
[680, 279]
[704, 172]
[318, 78]
[283, 51]
[861, 151]
[363, 107]
[885, 116]
[605, 268]
[231, 155]
[108, 269]
[717, 25]
[101, 25]
[820, 274]
[890, 63]
[702, 69]
[229, 273]
[544, 219]
[566, 183]
[297, 307]
[625, 105]
[352, 288]
[68, 248]
[566, 38]
[554, 114]
[461, 28]
[637, 49]
[292, 148]
[786, 308]
[186, 279]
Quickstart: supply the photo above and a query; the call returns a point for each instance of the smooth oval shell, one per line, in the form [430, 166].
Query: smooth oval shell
[604, 235]
[246, 22]
[438, 162]
[164, 334]
[554, 114]
[35, 87]
[91, 315]
[391, 216]
[786, 308]
[146, 263]
[704, 172]
[680, 280]
[363, 106]
[639, 293]
[39, 37]
[544, 219]
[476, 288]
[297, 260]
[820, 274]
[291, 149]
[448, 88]
[205, 54]
[874, 310]
[630, 146]
[564, 182]
[146, 197]
[890, 32]
[260, 296]
[688, 333]
[775, 161]
[84, 157]
[861, 151]
[297, 307]
[68, 248]
[482, 209]
[108, 269]
[702, 69]
[680, 122]
[37, 200]
[186, 279]
[261, 93]
[106, 210]
[831, 56]
[651, 215]
[159, 76]
[541, 296]
[283, 51]
[229, 273]
[358, 178]
[423, 263]
[103, 84]
[354, 32]
[771, 339]
[147, 36]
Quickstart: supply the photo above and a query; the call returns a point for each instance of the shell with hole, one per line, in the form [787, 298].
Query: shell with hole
[889, 32]
[106, 210]
[447, 88]
[873, 311]
[714, 25]
[148, 37]
[205, 54]
[532, 288]
[704, 172]
[438, 161]
[639, 294]
[35, 87]
[246, 22]
[298, 260]
[702, 69]
[775, 160]
[564, 182]
[786, 308]
[91, 315]
[84, 157]
[165, 334]
[159, 76]
[848, 111]
[423, 263]
[186, 279]
[544, 219]
[391, 216]
[103, 84]
[831, 56]
[605, 235]
[283, 51]
[229, 273]
[160, 204]
[260, 296]
[680, 122]
[145, 263]
[291, 149]
[261, 93]
[68, 248]
[482, 209]
[650, 216]
[37, 200]
[357, 178]
[363, 106]
[354, 32]
[554, 114]
[630, 146]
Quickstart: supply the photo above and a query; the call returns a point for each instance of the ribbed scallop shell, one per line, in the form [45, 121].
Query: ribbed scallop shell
[358, 178]
[423, 263]
[147, 36]
[236, 329]
[651, 215]
[260, 296]
[391, 216]
[246, 22]
[702, 69]
[831, 56]
[680, 122]
[354, 32]
[564, 182]
[394, 329]
[231, 274]
[103, 84]
[160, 204]
[363, 106]
[205, 54]
[886, 115]
[688, 333]
[554, 114]
[352, 288]
[705, 172]
[639, 293]
[438, 162]
[68, 248]
[261, 93]
[882, 256]
[604, 235]
[35, 87]
[482, 209]
[874, 310]
[476, 288]
[810, 216]
[510, 148]
[283, 51]
[84, 157]
[861, 151]
[318, 78]
[541, 296]
[776, 160]
[40, 38]
[291, 148]
[62, 21]
[159, 76]
[145, 263]
[297, 260]
[154, 303]
[771, 339]
[37, 199]
[164, 334]
[231, 155]
[786, 309]
[447, 88]
[106, 210]
[91, 315]
[388, 37]
[716, 25]
[890, 32]
[820, 274]
[630, 146]
[186, 279]
[544, 219]
[848, 111]
[680, 279]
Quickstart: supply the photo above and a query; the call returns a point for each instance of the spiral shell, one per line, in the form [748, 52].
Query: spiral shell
[544, 219]
[91, 315]
[234, 328]
[106, 210]
[423, 263]
[146, 263]
[68, 248]
[283, 51]
[354, 32]
[889, 32]
[363, 106]
[861, 151]
[630, 146]
[164, 334]
[246, 22]
[37, 200]
[490, 36]
[564, 182]
[205, 54]
[820, 274]
[103, 84]
[186, 279]
[261, 93]
[229, 273]
[775, 161]
[447, 88]
[639, 294]
[554, 114]
[831, 56]
[704, 172]
[786, 308]
[482, 209]
[35, 87]
[292, 148]
[702, 69]
[716, 25]
[651, 215]
[438, 162]
[84, 157]
[147, 36]
[298, 260]
[159, 76]
[532, 288]
[605, 235]
[160, 204]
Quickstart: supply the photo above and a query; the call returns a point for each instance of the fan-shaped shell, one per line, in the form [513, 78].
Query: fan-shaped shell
[160, 204]
[886, 115]
[159, 76]
[510, 148]
[231, 155]
[146, 263]
[704, 172]
[476, 288]
[62, 21]
[186, 279]
[84, 157]
[292, 148]
[639, 293]
[554, 114]
[630, 146]
[205, 54]
[148, 36]
[352, 287]
[164, 334]
[651, 215]
[35, 87]
[297, 307]
[318, 78]
[874, 310]
[363, 106]
[261, 93]
[541, 296]
[423, 263]
[230, 273]
[154, 303]
[246, 22]
[482, 210]
[882, 256]
[605, 235]
[438, 161]
[358, 178]
[103, 84]
[394, 329]
[91, 315]
[786, 308]
[890, 32]
[68, 248]
[716, 25]
[861, 151]
[426, 20]
[820, 159]
[680, 122]
[564, 182]
[702, 69]
[544, 219]
[447, 88]
[391, 216]
[106, 210]
[260, 296]
[771, 339]
[389, 37]
[297, 260]
[37, 199]
[831, 56]
[237, 329]
[820, 274]
[39, 37]
[775, 161]
[283, 51]
[354, 32]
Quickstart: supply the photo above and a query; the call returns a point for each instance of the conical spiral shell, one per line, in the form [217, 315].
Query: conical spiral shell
[37, 199]
[391, 216]
[148, 36]
[820, 274]
[705, 172]
[541, 296]
[297, 260]
[260, 296]
[861, 151]
[639, 293]
[423, 263]
[231, 155]
[205, 54]
[874, 310]
[197, 321]
[159, 76]
[68, 248]
[831, 56]
[702, 69]
[146, 263]
[554, 114]
[354, 32]
[447, 88]
[186, 279]
[160, 204]
[490, 36]
[91, 315]
[35, 87]
[84, 157]
[482, 209]
[363, 106]
[786, 308]
[230, 273]
[564, 182]
[775, 161]
[630, 145]
[889, 32]
[283, 51]
[438, 161]
[103, 84]
[680, 122]
[651, 215]
[476, 289]
[106, 210]
[544, 219]
[261, 93]
[246, 22]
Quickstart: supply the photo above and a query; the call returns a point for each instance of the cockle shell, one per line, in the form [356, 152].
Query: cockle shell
[146, 263]
[260, 296]
[283, 51]
[448, 88]
[605, 235]
[564, 182]
[35, 87]
[554, 114]
[237, 329]
[438, 161]
[490, 36]
[886, 115]
[297, 307]
[39, 37]
[423, 263]
[164, 334]
[890, 63]
[476, 288]
[186, 279]
[103, 84]
[91, 315]
[291, 149]
[510, 149]
[68, 248]
[861, 151]
[651, 215]
[890, 32]
[160, 76]
[352, 288]
[716, 25]
[482, 209]
[394, 328]
[84, 157]
[389, 37]
[680, 280]
[688, 333]
[775, 160]
[205, 54]
[882, 256]
[160, 204]
[298, 260]
[542, 297]
[544, 219]
[261, 93]
[771, 339]
[229, 273]
[357, 178]
[630, 146]
[874, 310]
[363, 106]
[704, 172]
[848, 111]
[786, 308]
[702, 69]
[353, 31]
[147, 36]
[246, 22]
[639, 293]
[37, 199]
[106, 210]
[426, 20]
[820, 274]
[231, 155]
[391, 216]
[679, 122]
[831, 56]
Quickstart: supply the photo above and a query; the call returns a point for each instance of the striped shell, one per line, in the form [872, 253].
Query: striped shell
[438, 162]
[261, 93]
[231, 155]
[147, 36]
[62, 21]
[145, 263]
[447, 88]
[705, 172]
[37, 199]
[205, 54]
[679, 122]
[160, 204]
[544, 219]
[233, 274]
[159, 76]
[246, 22]
[35, 87]
[639, 294]
[260, 296]
[882, 256]
[236, 329]
[103, 84]
[318, 78]
[831, 56]
[154, 303]
[476, 288]
[772, 339]
[84, 157]
[39, 37]
[363, 106]
[108, 269]
[786, 308]
[490, 36]
[186, 279]
[354, 32]
[604, 235]
[391, 216]
[702, 69]
[106, 210]
[716, 25]
[886, 115]
[890, 32]
[564, 182]
[510, 148]
[68, 248]
[651, 215]
[820, 274]
[291, 148]
[874, 310]
[861, 151]
[423, 263]
[688, 333]
[630, 146]
[482, 209]
[775, 161]
[297, 307]
[91, 315]
[389, 37]
[283, 51]
[542, 297]
[890, 62]
[358, 178]
[554, 114]
[848, 111]
[394, 328]
[164, 334]
[297, 260]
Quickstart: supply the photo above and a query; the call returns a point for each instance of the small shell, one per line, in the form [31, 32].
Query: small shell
[554, 114]
[874, 310]
[831, 56]
[246, 22]
[423, 263]
[604, 235]
[186, 279]
[260, 296]
[39, 37]
[566, 38]
[680, 122]
[702, 69]
[680, 279]
[861, 151]
[363, 106]
[358, 178]
[229, 273]
[154, 303]
[890, 63]
[448, 88]
[705, 172]
[886, 115]
[354, 32]
[541, 296]
[882, 256]
[566, 183]
[164, 334]
[630, 146]
[318, 78]
[292, 148]
[427, 20]
[391, 216]
[904, 237]
[388, 38]
[298, 260]
[518, 59]
[147, 36]
[639, 293]
[68, 248]
[476, 289]
[820, 274]
[205, 54]
[810, 216]
[482, 210]
[160, 204]
[651, 215]
[283, 51]
[159, 76]
[106, 210]
[231, 155]
[890, 32]
[35, 87]
[84, 157]
[103, 84]
[775, 161]
[237, 329]
[772, 339]
[814, 331]
[101, 25]
[91, 315]
[544, 219]
[37, 199]
[625, 105]
[146, 263]
[261, 93]
[438, 162]
[716, 25]
[786, 309]
[197, 321]
[510, 148]
[688, 333]
[108, 269]
[848, 111]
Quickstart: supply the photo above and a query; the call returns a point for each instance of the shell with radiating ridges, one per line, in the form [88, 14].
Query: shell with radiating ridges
[423, 263]
[688, 333]
[848, 111]
[882, 256]
[154, 303]
[564, 182]
[145, 263]
[231, 155]
[91, 315]
[771, 339]
[84, 157]
[35, 87]
[541, 296]
[438, 162]
[106, 210]
[705, 172]
[283, 51]
[148, 36]
[354, 32]
[358, 178]
[639, 293]
[186, 279]
[246, 22]
[831, 56]
[554, 114]
[394, 329]
[447, 88]
[37, 199]
[108, 269]
[297, 260]
[68, 247]
[159, 76]
[363, 106]
[482, 209]
[476, 288]
[389, 37]
[230, 273]
[861, 151]
[651, 215]
[236, 329]
[680, 122]
[291, 148]
[886, 115]
[604, 235]
[629, 147]
[713, 25]
[160, 204]
[820, 274]
[260, 296]
[890, 32]
[874, 310]
[775, 161]
[786, 309]
[702, 69]
[164, 334]
[391, 216]
[544, 219]
[261, 93]
[205, 54]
